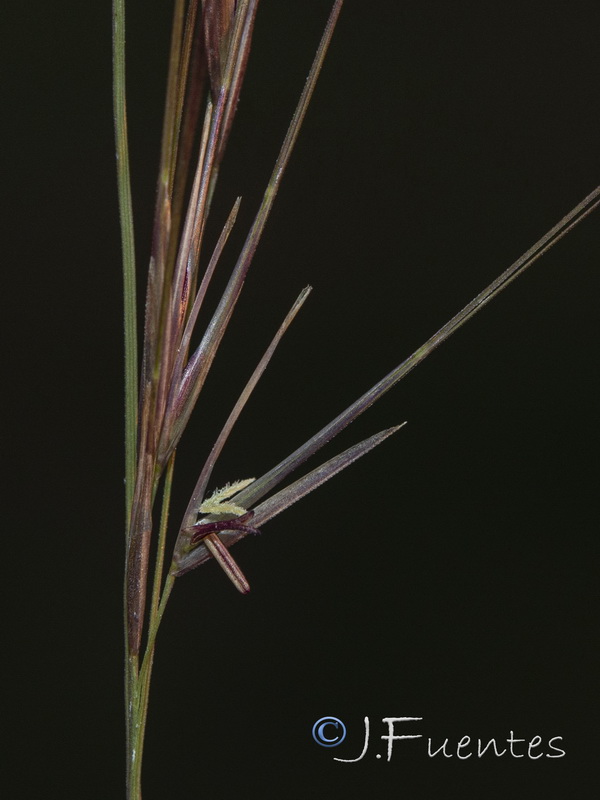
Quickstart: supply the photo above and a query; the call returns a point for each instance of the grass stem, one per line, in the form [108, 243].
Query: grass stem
[128, 250]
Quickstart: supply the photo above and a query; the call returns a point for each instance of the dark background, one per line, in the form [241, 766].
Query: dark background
[451, 573]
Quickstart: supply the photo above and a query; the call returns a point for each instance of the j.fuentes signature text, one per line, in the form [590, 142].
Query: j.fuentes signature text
[331, 732]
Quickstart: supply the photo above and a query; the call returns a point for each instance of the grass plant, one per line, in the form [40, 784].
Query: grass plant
[210, 46]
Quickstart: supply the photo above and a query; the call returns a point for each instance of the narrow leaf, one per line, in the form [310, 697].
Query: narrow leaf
[186, 264]
[264, 484]
[200, 489]
[128, 251]
[157, 295]
[218, 15]
[193, 54]
[197, 305]
[195, 373]
[235, 79]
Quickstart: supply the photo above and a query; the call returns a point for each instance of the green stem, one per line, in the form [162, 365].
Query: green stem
[162, 538]
[134, 790]
[131, 358]
[140, 681]
[140, 706]
[128, 250]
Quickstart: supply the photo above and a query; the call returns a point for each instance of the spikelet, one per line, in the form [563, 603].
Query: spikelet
[215, 503]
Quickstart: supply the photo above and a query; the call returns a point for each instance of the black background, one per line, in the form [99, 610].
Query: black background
[450, 574]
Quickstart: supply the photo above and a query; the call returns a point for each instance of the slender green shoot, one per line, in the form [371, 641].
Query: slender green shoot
[128, 250]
